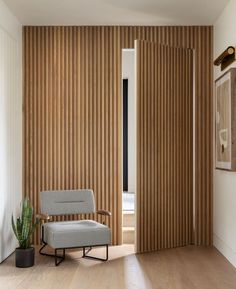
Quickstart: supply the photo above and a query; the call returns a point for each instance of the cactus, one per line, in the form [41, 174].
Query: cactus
[24, 227]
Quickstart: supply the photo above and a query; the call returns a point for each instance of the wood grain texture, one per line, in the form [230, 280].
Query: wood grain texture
[164, 146]
[72, 112]
[181, 268]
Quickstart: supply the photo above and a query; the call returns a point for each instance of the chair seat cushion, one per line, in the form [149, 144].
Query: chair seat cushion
[69, 234]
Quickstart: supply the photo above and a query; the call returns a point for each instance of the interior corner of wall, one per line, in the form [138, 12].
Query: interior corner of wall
[224, 249]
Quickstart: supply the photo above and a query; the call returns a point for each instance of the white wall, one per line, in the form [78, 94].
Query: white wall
[10, 126]
[225, 182]
[128, 59]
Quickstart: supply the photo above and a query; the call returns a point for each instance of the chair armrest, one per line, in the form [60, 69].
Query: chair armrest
[43, 217]
[104, 213]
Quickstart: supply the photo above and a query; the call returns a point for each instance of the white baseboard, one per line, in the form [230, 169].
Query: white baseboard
[225, 250]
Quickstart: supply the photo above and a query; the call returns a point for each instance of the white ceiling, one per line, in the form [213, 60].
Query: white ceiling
[116, 12]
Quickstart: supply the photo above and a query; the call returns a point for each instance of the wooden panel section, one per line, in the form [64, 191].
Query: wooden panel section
[72, 127]
[72, 112]
[164, 146]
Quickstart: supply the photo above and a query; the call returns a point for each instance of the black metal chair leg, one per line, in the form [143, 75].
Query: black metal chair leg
[61, 258]
[40, 250]
[95, 258]
[55, 255]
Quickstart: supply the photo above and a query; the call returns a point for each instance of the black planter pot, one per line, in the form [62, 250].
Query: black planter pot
[24, 257]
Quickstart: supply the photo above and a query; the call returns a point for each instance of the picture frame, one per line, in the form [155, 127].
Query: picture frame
[225, 121]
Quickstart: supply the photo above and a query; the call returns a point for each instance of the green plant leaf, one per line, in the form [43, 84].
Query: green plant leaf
[24, 227]
[14, 227]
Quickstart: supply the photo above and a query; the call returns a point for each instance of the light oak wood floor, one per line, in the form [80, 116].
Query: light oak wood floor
[182, 268]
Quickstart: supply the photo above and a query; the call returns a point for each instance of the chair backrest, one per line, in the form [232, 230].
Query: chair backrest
[67, 202]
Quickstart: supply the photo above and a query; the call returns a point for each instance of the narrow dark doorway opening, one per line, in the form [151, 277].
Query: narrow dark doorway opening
[125, 135]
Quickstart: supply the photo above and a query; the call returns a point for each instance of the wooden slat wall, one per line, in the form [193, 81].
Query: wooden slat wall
[72, 112]
[164, 146]
[72, 127]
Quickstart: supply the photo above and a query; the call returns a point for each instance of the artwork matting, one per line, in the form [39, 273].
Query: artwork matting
[225, 125]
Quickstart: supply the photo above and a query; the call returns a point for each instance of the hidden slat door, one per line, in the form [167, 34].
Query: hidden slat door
[164, 84]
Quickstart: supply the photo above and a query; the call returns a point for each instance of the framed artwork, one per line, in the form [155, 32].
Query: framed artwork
[225, 121]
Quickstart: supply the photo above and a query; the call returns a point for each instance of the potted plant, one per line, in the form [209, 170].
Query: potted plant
[23, 228]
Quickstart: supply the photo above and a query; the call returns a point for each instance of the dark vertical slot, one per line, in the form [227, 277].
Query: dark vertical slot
[125, 134]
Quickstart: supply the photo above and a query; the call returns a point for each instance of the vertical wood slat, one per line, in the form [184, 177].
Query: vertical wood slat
[174, 161]
[71, 78]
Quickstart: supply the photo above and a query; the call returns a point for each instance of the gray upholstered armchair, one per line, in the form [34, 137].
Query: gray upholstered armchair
[71, 234]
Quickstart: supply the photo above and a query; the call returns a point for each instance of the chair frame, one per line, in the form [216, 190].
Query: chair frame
[63, 256]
